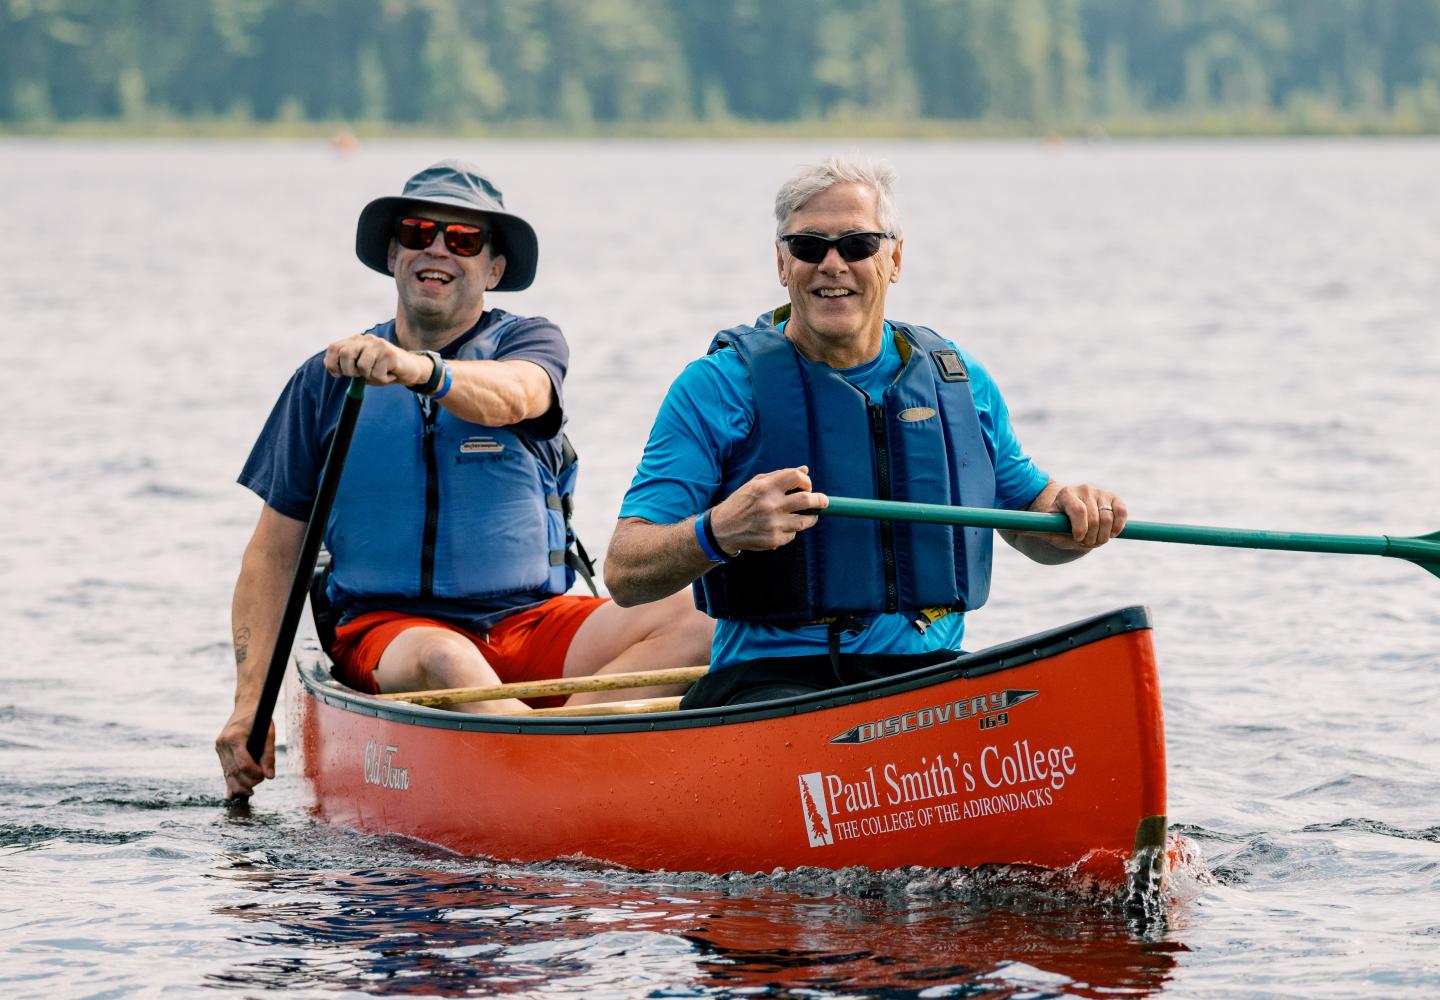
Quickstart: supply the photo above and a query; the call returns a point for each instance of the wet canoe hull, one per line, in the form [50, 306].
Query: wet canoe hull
[1047, 752]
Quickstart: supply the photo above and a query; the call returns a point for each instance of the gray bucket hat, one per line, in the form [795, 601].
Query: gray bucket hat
[454, 184]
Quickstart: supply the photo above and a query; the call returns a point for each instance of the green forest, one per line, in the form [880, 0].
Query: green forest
[712, 67]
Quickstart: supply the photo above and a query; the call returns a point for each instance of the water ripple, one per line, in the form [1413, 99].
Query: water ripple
[1226, 333]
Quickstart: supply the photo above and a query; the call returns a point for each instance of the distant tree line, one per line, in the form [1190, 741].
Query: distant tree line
[1050, 64]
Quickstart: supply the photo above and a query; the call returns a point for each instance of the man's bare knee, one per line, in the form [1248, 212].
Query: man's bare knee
[429, 658]
[449, 661]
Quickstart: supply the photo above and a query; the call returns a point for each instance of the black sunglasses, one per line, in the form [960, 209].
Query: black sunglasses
[812, 249]
[414, 233]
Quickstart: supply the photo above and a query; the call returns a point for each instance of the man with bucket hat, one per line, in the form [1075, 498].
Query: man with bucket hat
[449, 536]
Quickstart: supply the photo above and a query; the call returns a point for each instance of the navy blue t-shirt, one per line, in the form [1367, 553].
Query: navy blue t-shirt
[285, 464]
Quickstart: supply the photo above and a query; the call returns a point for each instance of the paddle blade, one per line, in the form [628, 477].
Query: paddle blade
[1430, 564]
[1422, 550]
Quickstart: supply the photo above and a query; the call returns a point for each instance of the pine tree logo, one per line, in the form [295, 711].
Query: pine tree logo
[817, 814]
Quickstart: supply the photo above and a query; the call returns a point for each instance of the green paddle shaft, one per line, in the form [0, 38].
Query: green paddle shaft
[1423, 550]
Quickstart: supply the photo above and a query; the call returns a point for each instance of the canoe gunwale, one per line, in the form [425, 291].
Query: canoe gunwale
[314, 675]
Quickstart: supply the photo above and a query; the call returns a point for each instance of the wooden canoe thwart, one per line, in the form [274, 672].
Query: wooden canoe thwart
[543, 689]
[1046, 751]
[641, 706]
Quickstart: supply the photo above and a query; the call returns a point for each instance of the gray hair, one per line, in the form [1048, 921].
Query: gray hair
[811, 180]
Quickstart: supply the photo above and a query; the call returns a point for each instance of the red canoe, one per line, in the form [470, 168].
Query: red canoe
[1046, 751]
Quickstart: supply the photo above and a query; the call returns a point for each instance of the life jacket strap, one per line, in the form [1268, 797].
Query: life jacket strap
[840, 625]
[575, 556]
[579, 560]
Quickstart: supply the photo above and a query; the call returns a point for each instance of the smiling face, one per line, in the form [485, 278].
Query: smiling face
[838, 306]
[442, 294]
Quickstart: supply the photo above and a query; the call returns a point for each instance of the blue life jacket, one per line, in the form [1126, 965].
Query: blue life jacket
[921, 443]
[434, 506]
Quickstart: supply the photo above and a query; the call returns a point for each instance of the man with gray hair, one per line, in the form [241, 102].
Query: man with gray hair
[825, 395]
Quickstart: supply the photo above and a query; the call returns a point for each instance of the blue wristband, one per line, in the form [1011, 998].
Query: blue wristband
[702, 533]
[445, 382]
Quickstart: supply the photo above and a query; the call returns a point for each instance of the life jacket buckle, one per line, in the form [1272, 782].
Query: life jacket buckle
[929, 616]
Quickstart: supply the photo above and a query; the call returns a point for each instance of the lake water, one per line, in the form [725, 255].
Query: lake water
[1231, 334]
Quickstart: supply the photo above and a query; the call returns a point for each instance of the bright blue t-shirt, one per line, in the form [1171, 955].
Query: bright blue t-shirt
[704, 428]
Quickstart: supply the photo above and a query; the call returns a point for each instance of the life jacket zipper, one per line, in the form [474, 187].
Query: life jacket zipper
[432, 498]
[881, 443]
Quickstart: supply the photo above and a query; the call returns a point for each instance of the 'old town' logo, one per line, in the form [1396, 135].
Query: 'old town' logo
[380, 768]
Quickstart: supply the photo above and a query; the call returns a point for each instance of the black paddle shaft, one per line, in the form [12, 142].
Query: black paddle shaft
[305, 567]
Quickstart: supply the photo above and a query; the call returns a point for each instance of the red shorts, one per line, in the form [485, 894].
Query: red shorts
[529, 645]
